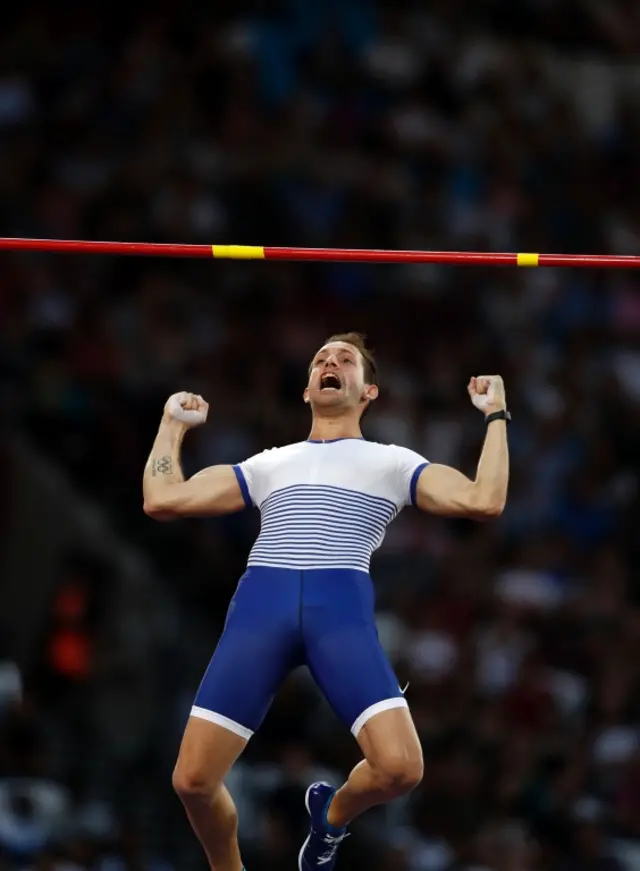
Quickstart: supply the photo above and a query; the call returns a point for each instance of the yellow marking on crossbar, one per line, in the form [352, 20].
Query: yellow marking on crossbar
[238, 252]
[528, 259]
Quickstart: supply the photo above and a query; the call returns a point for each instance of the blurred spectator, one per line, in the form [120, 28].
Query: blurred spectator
[10, 676]
[72, 633]
[32, 816]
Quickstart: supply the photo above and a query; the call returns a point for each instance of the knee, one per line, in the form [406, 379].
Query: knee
[400, 774]
[192, 784]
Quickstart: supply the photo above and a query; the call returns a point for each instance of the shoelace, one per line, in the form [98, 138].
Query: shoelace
[333, 842]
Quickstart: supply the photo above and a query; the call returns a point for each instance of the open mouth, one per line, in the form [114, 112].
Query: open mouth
[330, 381]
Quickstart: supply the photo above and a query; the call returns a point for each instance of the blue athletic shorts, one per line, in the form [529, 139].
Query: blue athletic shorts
[279, 619]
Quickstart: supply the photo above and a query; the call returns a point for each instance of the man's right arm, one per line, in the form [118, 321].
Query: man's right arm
[167, 496]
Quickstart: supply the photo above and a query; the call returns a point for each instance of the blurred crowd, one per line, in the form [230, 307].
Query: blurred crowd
[440, 124]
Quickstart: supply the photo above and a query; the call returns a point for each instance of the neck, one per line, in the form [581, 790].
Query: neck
[326, 428]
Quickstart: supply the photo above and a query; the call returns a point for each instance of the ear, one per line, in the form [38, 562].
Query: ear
[370, 392]
[305, 395]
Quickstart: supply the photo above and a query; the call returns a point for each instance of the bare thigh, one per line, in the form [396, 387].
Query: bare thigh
[207, 752]
[389, 741]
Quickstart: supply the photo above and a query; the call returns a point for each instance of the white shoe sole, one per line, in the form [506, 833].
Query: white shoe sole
[304, 846]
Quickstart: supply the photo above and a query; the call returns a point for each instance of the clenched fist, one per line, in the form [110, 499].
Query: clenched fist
[487, 393]
[188, 408]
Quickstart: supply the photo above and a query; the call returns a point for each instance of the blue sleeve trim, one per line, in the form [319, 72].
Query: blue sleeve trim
[242, 481]
[414, 481]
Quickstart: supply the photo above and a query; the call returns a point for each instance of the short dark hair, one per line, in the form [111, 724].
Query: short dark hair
[359, 341]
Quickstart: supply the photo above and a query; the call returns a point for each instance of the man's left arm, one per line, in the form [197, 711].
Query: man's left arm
[447, 492]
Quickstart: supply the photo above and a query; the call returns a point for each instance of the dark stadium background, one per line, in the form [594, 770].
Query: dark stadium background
[446, 124]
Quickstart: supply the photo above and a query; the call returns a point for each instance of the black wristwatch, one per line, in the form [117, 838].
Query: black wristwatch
[498, 415]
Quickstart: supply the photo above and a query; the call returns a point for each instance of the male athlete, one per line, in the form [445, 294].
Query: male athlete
[306, 597]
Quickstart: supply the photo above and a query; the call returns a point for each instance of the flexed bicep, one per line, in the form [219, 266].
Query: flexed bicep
[445, 491]
[213, 491]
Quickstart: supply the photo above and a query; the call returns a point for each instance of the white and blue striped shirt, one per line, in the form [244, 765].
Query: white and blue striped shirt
[326, 505]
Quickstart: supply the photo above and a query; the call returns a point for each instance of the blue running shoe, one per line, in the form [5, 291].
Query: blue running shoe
[318, 852]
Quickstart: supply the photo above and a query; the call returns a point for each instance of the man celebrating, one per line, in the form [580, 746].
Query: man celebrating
[306, 597]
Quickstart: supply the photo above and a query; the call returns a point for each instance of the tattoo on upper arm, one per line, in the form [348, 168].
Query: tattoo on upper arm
[163, 466]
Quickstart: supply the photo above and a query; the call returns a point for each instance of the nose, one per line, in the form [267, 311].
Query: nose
[332, 360]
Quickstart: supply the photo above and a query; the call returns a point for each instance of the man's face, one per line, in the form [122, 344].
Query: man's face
[336, 378]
